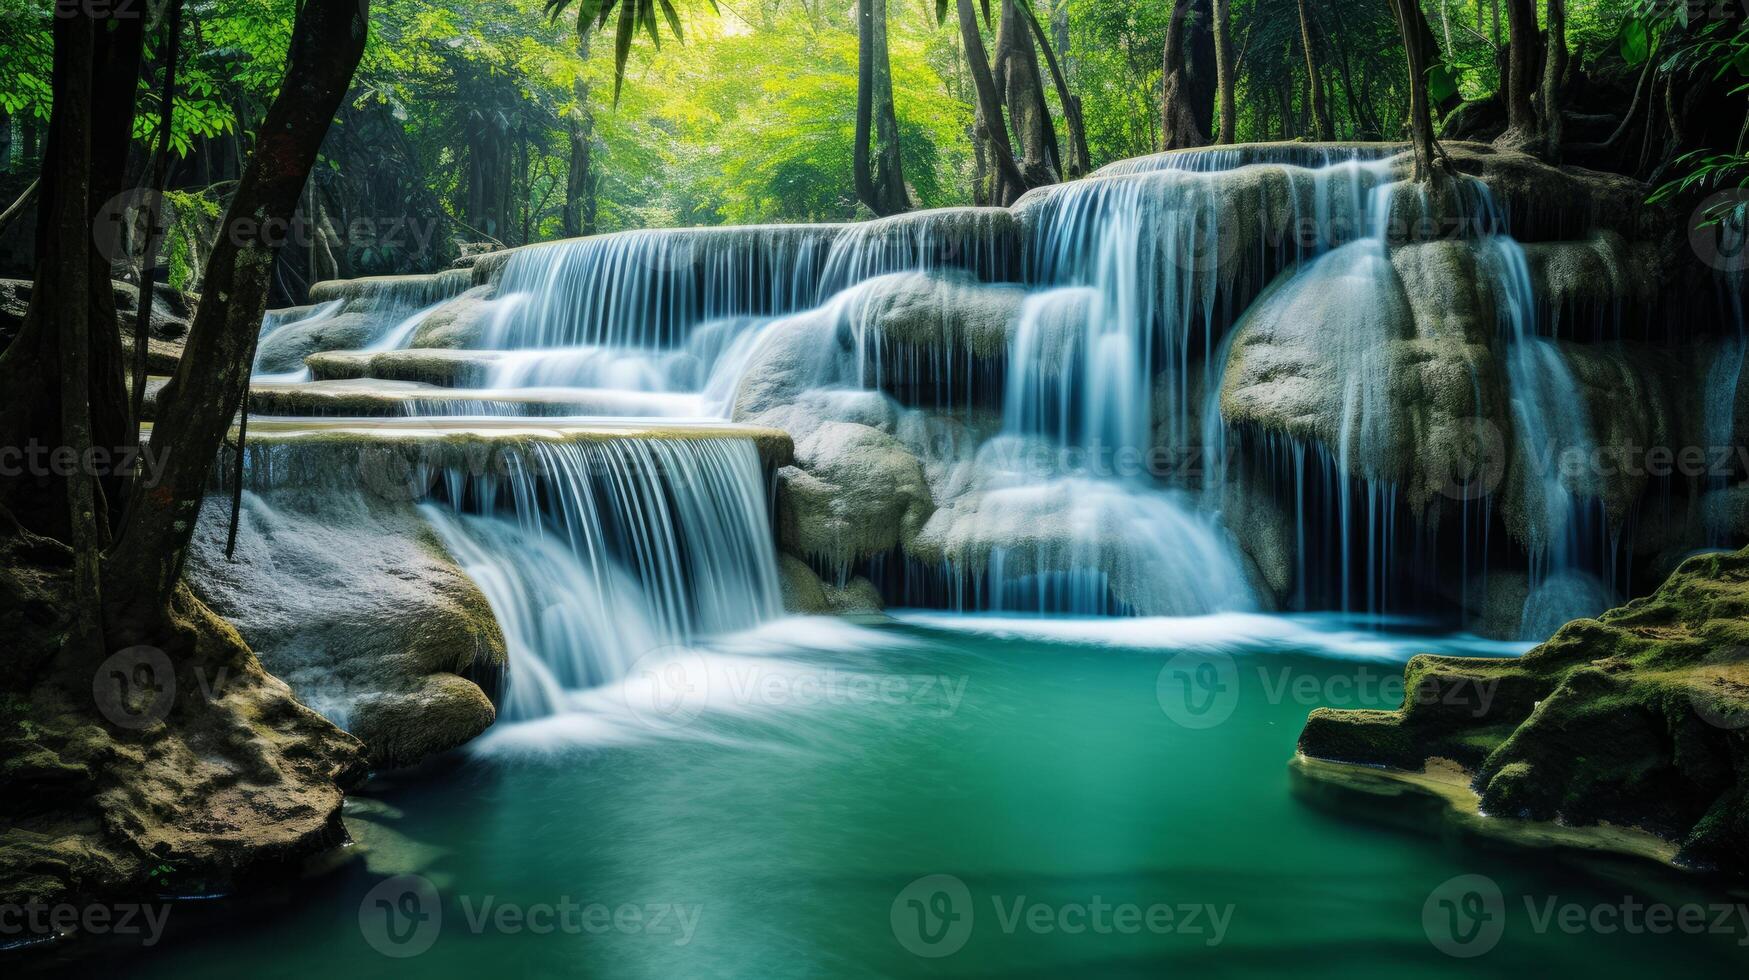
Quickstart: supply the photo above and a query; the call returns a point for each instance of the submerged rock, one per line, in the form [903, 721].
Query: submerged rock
[1638, 718]
[353, 601]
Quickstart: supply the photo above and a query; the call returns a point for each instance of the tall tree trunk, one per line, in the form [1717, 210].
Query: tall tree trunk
[580, 179]
[1187, 77]
[201, 399]
[1080, 158]
[154, 186]
[1320, 112]
[1523, 54]
[880, 174]
[1225, 70]
[1411, 24]
[1554, 66]
[70, 287]
[1022, 86]
[118, 52]
[1005, 171]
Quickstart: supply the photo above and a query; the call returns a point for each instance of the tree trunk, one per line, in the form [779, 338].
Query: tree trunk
[1411, 24]
[197, 406]
[880, 181]
[1022, 87]
[67, 285]
[1080, 159]
[118, 53]
[580, 179]
[1187, 77]
[1006, 172]
[1523, 54]
[155, 181]
[1319, 111]
[1225, 69]
[1554, 66]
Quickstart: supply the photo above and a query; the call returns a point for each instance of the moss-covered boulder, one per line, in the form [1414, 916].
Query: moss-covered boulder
[284, 348]
[1638, 718]
[182, 768]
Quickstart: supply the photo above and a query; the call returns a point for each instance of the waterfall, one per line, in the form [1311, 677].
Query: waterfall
[647, 289]
[1550, 418]
[1041, 389]
[591, 550]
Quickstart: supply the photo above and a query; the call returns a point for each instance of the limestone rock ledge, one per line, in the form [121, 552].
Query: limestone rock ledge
[1639, 719]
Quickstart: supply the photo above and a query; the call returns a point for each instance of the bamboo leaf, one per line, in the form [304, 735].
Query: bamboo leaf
[673, 16]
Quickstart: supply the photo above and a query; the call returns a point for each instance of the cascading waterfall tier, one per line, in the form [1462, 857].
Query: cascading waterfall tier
[594, 543]
[1195, 381]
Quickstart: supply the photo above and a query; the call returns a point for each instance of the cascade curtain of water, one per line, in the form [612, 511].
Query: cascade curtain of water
[1093, 323]
[590, 552]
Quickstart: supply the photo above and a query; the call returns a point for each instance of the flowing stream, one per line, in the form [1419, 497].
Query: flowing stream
[670, 742]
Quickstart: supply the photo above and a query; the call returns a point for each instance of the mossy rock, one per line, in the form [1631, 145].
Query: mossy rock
[1638, 718]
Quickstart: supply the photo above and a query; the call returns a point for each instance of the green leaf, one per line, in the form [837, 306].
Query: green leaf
[1441, 83]
[1635, 41]
[669, 12]
[622, 44]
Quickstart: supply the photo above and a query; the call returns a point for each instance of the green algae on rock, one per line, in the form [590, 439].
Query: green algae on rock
[1639, 718]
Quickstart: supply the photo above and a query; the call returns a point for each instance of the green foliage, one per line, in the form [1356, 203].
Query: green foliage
[1634, 40]
[755, 122]
[593, 15]
[190, 219]
[1718, 48]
